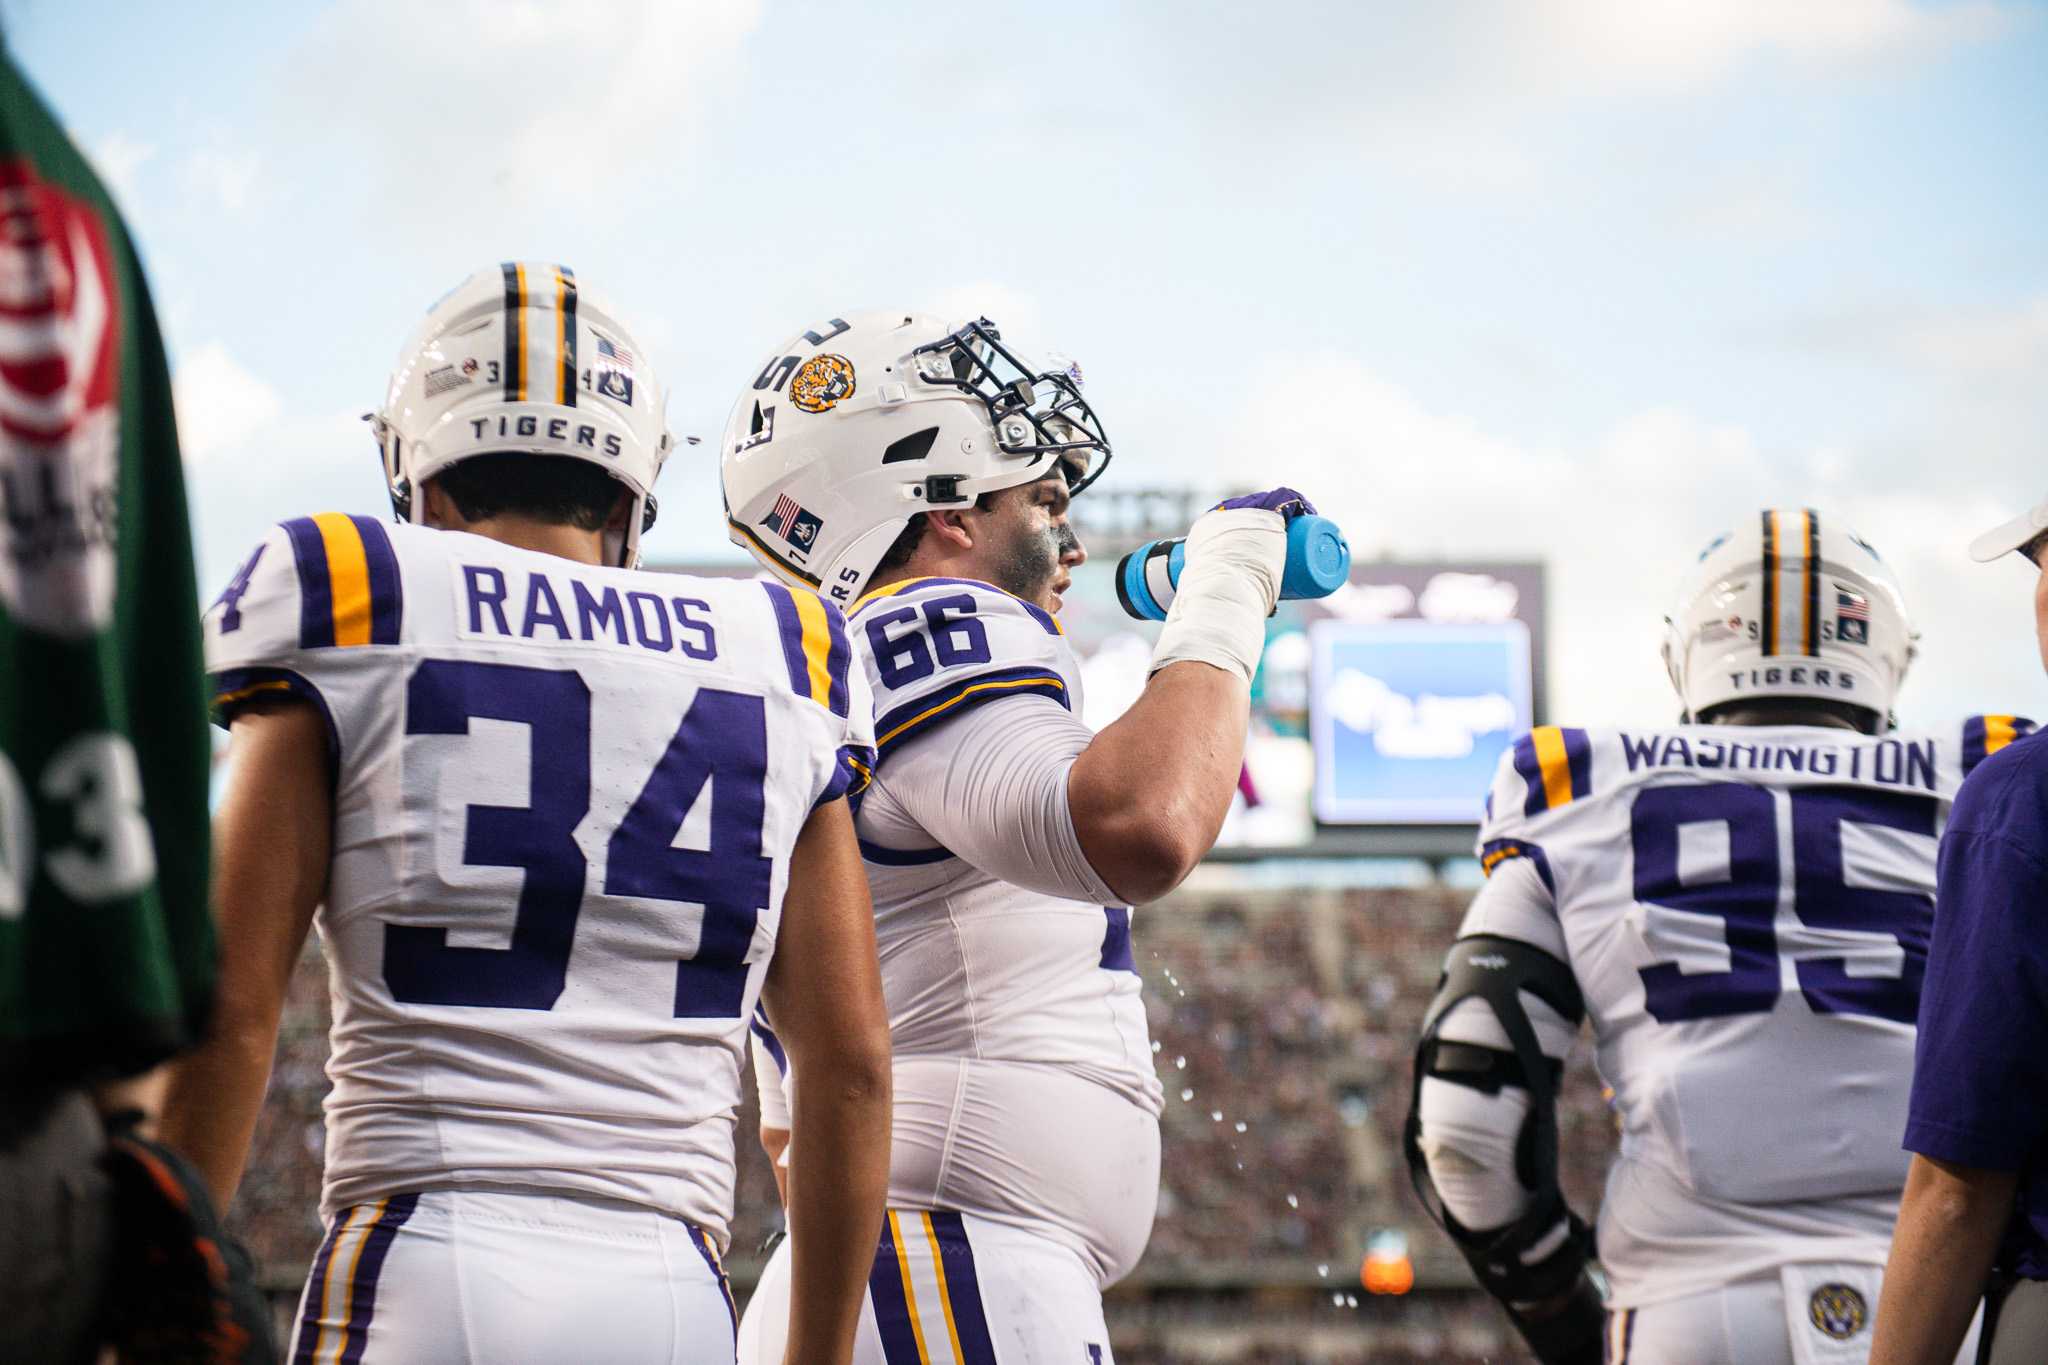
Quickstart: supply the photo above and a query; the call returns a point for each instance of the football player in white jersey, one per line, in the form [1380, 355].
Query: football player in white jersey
[564, 823]
[921, 472]
[1741, 905]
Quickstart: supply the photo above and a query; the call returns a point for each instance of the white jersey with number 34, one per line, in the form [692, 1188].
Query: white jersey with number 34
[1747, 912]
[564, 803]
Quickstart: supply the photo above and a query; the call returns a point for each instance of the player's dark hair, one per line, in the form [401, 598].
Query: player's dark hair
[548, 488]
[1791, 711]
[905, 545]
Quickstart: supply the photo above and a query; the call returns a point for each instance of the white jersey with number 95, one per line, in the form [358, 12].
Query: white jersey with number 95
[1747, 912]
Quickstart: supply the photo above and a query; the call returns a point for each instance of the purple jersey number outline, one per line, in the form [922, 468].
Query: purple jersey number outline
[956, 633]
[1747, 900]
[723, 735]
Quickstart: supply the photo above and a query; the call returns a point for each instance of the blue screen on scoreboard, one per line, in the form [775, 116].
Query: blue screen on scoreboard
[1409, 718]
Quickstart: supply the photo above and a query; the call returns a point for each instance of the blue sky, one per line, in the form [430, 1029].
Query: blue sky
[1587, 280]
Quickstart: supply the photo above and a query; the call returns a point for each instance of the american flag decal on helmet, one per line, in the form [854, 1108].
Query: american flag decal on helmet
[1852, 616]
[795, 525]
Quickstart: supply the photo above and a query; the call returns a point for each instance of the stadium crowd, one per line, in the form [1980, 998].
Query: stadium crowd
[1285, 1022]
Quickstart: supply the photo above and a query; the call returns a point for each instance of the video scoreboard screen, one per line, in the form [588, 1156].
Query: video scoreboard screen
[1420, 675]
[1409, 718]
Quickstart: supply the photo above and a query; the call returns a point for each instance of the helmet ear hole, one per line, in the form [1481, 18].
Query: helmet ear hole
[647, 515]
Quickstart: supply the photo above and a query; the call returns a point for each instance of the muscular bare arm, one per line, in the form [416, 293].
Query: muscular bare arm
[824, 992]
[1950, 1221]
[271, 836]
[1149, 793]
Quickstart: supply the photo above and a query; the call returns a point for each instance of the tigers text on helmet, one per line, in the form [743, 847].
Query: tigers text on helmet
[522, 359]
[852, 429]
[1789, 607]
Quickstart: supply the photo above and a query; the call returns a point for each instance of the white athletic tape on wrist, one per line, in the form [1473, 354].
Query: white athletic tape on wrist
[1230, 585]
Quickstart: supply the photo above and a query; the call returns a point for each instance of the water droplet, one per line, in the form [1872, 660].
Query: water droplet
[1155, 1045]
[1351, 1300]
[1187, 1094]
[1293, 1201]
[1215, 1116]
[1180, 1064]
[1323, 1271]
[1240, 1125]
[1337, 1299]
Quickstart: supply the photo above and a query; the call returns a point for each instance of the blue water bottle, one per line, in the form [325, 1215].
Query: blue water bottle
[1318, 562]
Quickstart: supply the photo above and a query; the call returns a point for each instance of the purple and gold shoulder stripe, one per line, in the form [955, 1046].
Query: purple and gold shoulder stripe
[238, 689]
[349, 587]
[1494, 852]
[894, 727]
[1984, 736]
[1557, 765]
[814, 647]
[852, 770]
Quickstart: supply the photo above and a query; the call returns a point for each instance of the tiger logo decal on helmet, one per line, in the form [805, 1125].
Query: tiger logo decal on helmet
[822, 383]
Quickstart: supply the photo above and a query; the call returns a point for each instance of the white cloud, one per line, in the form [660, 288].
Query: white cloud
[1683, 44]
[1618, 523]
[1765, 203]
[481, 102]
[118, 158]
[290, 464]
[1458, 94]
[219, 402]
[1016, 311]
[223, 176]
[1972, 372]
[1999, 343]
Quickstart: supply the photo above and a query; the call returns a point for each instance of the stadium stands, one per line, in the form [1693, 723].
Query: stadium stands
[1284, 1019]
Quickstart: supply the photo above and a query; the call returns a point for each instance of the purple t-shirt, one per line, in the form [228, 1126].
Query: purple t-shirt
[1980, 1075]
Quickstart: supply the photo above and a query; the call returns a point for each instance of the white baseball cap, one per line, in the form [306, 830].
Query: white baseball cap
[2003, 540]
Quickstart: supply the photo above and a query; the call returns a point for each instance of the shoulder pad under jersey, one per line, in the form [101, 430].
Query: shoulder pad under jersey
[818, 655]
[934, 648]
[1543, 772]
[312, 585]
[1984, 736]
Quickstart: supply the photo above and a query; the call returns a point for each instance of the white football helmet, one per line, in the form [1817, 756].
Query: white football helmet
[1789, 607]
[521, 358]
[849, 432]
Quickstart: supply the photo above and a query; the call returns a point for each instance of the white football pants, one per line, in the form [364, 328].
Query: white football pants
[952, 1289]
[1819, 1314]
[453, 1276]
